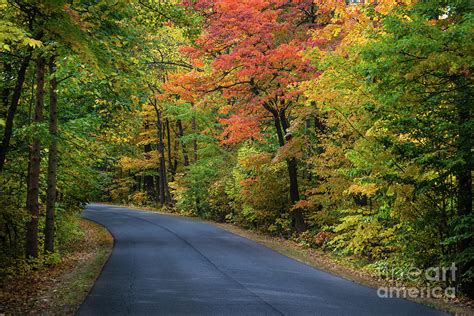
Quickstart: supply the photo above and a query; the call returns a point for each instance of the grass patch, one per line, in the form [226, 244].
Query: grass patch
[80, 281]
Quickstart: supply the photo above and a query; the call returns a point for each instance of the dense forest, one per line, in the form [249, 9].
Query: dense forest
[344, 125]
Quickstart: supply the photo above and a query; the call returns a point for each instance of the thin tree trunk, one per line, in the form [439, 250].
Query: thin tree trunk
[34, 167]
[306, 170]
[7, 68]
[179, 125]
[157, 186]
[292, 170]
[161, 150]
[52, 161]
[138, 180]
[162, 160]
[169, 200]
[195, 146]
[148, 179]
[175, 158]
[12, 109]
[168, 139]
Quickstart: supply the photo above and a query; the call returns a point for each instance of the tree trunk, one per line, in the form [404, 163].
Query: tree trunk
[7, 69]
[306, 155]
[195, 146]
[168, 145]
[12, 109]
[179, 126]
[292, 166]
[281, 124]
[161, 149]
[34, 167]
[162, 161]
[148, 179]
[138, 180]
[157, 186]
[175, 158]
[281, 138]
[52, 161]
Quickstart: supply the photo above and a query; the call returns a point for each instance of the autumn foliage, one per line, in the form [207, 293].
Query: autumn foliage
[343, 125]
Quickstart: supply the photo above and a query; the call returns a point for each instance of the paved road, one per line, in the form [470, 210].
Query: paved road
[166, 265]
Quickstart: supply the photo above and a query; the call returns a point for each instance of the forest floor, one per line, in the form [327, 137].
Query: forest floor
[345, 267]
[60, 289]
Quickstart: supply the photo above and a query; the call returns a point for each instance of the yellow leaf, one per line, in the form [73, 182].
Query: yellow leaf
[33, 43]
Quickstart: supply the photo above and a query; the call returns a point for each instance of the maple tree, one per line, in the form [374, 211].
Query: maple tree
[256, 57]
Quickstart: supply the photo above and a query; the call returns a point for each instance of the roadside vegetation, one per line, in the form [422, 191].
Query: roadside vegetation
[59, 288]
[344, 127]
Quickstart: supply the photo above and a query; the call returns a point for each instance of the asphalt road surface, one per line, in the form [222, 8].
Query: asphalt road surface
[166, 265]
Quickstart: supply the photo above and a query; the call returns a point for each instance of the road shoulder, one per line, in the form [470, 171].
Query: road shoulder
[60, 289]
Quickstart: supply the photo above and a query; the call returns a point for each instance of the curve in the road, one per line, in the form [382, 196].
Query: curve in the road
[166, 265]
